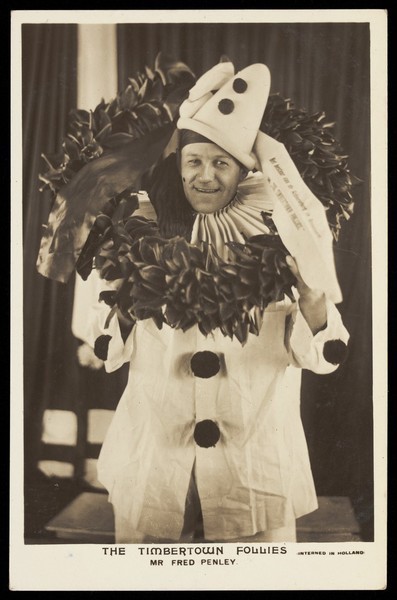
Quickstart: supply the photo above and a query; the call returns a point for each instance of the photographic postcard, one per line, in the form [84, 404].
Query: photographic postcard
[330, 67]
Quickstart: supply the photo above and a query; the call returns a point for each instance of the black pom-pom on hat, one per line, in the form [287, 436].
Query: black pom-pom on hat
[101, 346]
[335, 352]
[206, 433]
[240, 85]
[226, 106]
[205, 364]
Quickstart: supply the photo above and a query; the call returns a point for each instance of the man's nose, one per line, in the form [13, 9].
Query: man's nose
[206, 172]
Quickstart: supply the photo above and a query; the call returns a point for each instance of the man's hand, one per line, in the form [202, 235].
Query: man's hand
[311, 302]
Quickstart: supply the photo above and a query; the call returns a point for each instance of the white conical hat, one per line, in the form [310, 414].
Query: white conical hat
[231, 116]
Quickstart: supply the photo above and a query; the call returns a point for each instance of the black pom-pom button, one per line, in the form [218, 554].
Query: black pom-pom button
[206, 433]
[226, 106]
[205, 364]
[101, 346]
[239, 85]
[335, 352]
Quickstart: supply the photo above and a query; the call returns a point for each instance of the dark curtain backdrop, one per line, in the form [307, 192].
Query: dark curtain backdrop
[49, 63]
[321, 67]
[53, 378]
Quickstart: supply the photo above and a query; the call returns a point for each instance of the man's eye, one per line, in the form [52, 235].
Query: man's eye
[193, 162]
[221, 163]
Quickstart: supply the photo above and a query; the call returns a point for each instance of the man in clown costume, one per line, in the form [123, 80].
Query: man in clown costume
[207, 438]
[208, 433]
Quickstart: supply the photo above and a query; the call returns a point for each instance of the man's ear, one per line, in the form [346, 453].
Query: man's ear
[243, 173]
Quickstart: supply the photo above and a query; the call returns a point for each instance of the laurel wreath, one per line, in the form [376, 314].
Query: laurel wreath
[177, 283]
[170, 280]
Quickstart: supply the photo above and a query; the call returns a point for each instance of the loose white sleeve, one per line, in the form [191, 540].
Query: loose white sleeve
[119, 352]
[306, 349]
[96, 325]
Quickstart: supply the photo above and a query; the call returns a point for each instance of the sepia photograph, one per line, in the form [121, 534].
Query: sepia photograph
[198, 377]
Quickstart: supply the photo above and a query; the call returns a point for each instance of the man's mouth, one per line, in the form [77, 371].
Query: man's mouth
[206, 190]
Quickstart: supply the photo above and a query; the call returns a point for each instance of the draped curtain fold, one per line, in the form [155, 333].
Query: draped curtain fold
[321, 67]
[48, 92]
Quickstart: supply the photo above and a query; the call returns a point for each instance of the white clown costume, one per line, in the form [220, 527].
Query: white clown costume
[258, 476]
[255, 475]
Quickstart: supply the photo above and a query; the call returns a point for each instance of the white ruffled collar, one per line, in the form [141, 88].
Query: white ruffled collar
[240, 219]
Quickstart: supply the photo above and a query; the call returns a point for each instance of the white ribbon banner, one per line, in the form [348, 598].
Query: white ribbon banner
[299, 217]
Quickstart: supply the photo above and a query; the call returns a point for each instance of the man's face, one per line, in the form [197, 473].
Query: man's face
[210, 176]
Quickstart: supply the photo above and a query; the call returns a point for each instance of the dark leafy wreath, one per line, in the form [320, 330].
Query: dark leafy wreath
[170, 280]
[174, 282]
[150, 101]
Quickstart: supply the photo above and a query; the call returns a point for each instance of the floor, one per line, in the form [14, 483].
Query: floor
[70, 512]
[44, 499]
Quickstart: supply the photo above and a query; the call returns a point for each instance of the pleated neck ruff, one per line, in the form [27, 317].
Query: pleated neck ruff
[240, 219]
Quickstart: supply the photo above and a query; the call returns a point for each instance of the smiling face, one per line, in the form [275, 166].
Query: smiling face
[210, 176]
